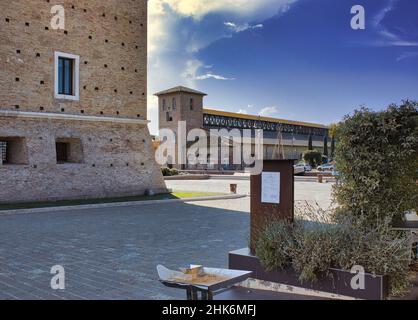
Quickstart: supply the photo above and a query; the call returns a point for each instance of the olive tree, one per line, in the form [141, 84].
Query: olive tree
[377, 159]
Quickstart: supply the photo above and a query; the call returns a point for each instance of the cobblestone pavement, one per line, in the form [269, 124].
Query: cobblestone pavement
[112, 253]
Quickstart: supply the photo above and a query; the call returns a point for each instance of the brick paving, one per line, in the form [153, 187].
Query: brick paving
[112, 253]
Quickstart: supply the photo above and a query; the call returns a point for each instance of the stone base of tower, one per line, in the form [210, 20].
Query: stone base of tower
[49, 158]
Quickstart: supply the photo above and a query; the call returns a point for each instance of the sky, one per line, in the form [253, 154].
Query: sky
[291, 59]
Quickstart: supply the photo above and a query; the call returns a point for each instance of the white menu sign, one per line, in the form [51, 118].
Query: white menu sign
[270, 187]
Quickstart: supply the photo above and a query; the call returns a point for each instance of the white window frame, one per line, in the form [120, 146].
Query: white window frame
[76, 78]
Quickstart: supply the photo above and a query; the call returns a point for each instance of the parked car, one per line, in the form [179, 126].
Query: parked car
[326, 167]
[305, 166]
[302, 167]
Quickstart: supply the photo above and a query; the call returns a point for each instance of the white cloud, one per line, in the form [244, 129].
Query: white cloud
[192, 67]
[197, 9]
[388, 38]
[242, 27]
[212, 76]
[242, 111]
[407, 55]
[268, 111]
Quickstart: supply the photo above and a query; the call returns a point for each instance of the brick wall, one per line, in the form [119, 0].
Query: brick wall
[113, 158]
[108, 35]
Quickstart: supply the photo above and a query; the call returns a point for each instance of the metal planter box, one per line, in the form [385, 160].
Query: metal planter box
[336, 282]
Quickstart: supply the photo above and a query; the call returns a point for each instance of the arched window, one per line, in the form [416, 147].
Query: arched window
[164, 105]
[191, 104]
[174, 104]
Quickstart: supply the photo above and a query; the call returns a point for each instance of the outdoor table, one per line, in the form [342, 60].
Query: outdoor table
[213, 281]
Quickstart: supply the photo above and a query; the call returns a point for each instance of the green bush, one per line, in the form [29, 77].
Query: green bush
[380, 250]
[313, 157]
[377, 159]
[319, 240]
[275, 244]
[167, 172]
[316, 249]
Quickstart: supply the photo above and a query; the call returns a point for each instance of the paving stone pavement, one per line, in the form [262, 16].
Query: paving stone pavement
[112, 253]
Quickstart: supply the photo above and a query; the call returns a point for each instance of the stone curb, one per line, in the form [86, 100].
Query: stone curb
[118, 204]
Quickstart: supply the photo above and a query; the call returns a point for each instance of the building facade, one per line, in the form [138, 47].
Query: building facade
[282, 139]
[73, 101]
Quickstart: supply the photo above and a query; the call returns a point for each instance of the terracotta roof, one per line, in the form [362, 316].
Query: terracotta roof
[254, 117]
[179, 89]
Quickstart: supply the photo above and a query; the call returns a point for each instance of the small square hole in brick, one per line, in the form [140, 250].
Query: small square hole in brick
[42, 82]
[62, 109]
[7, 20]
[65, 32]
[27, 24]
[97, 88]
[82, 111]
[17, 106]
[18, 51]
[41, 108]
[17, 79]
[38, 55]
[46, 28]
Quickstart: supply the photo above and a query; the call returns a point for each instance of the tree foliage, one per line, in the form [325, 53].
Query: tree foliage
[313, 157]
[377, 159]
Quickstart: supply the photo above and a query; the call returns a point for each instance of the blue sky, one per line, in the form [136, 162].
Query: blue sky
[293, 59]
